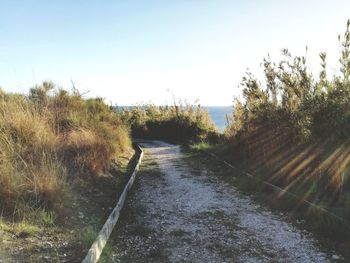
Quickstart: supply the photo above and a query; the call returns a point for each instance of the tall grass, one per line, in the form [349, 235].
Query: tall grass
[180, 123]
[46, 139]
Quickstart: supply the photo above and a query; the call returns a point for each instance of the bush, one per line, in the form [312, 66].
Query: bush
[296, 127]
[178, 123]
[47, 136]
[309, 107]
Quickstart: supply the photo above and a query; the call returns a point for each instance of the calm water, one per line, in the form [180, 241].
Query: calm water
[218, 114]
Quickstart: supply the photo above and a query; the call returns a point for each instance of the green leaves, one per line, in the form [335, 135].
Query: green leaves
[291, 96]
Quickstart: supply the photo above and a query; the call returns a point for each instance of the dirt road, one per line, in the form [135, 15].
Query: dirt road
[178, 212]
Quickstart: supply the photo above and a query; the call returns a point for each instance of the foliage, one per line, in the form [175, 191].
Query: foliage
[308, 107]
[295, 127]
[181, 123]
[49, 137]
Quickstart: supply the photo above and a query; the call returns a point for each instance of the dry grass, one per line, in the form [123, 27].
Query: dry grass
[31, 174]
[84, 151]
[46, 136]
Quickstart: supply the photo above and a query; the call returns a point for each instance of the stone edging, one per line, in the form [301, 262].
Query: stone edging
[95, 251]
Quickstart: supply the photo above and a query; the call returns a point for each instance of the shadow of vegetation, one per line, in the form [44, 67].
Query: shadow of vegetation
[315, 172]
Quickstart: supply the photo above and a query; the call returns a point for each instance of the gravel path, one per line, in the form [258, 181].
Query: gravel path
[177, 213]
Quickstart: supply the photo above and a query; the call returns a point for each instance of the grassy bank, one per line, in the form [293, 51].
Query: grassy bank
[292, 130]
[69, 238]
[51, 142]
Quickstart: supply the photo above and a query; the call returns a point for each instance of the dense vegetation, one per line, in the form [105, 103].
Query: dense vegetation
[47, 139]
[296, 127]
[51, 136]
[180, 123]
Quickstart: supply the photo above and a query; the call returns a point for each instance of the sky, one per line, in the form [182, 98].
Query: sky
[131, 52]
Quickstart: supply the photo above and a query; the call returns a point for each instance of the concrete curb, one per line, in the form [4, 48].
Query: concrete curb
[95, 251]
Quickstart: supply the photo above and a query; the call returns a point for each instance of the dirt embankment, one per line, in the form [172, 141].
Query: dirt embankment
[68, 239]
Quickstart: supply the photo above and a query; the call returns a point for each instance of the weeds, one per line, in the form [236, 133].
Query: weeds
[200, 146]
[180, 123]
[48, 218]
[47, 139]
[89, 235]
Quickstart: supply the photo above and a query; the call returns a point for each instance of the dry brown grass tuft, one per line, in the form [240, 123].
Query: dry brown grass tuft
[46, 136]
[85, 151]
[30, 171]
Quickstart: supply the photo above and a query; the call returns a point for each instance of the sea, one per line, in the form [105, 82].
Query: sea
[218, 115]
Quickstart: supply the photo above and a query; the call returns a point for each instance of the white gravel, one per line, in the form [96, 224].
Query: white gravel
[189, 215]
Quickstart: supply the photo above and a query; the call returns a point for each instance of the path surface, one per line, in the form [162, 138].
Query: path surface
[179, 212]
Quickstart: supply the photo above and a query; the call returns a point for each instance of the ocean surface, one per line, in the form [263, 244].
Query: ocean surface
[217, 113]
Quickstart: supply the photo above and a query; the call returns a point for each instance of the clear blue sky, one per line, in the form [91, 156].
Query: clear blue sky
[133, 51]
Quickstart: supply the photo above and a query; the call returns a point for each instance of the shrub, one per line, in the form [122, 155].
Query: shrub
[48, 135]
[181, 123]
[296, 127]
